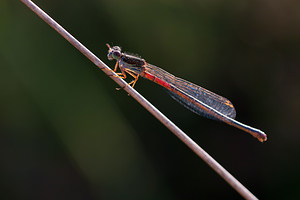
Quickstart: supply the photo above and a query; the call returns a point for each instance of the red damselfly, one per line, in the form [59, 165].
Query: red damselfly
[193, 97]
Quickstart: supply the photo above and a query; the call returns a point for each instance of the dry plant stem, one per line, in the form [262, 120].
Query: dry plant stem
[170, 125]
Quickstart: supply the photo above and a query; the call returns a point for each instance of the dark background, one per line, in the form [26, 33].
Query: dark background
[66, 133]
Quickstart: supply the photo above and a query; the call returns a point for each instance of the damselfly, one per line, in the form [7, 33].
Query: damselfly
[193, 97]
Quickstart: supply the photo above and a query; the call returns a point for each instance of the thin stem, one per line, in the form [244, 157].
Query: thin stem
[154, 111]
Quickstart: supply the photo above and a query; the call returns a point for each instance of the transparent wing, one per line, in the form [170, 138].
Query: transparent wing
[211, 99]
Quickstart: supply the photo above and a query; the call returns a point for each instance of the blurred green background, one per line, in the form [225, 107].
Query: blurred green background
[66, 133]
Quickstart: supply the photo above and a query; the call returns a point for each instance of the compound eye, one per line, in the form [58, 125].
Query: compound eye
[116, 54]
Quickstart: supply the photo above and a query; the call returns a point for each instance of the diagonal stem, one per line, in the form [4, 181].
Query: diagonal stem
[154, 111]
